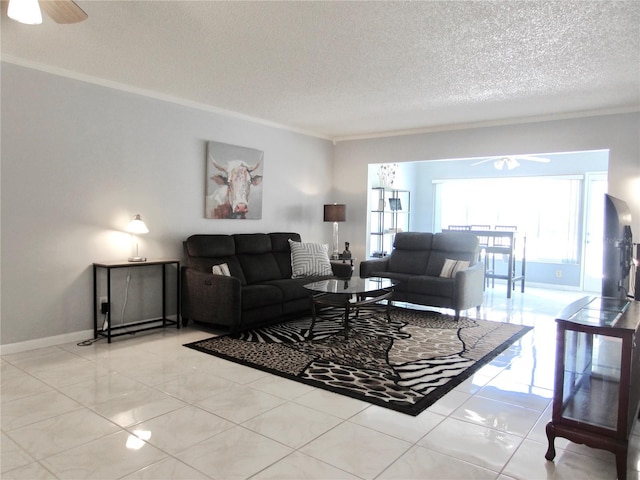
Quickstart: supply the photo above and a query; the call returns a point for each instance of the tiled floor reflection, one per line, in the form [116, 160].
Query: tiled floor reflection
[145, 407]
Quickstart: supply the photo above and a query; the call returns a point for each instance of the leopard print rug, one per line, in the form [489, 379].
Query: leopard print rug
[405, 365]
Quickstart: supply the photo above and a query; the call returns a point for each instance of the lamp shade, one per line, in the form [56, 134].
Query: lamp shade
[137, 226]
[335, 212]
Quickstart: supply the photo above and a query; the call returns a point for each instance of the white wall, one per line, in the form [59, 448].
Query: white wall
[78, 160]
[619, 133]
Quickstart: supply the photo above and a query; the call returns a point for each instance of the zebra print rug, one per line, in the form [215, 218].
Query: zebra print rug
[405, 365]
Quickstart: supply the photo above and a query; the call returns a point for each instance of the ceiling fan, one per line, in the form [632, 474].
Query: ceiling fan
[60, 11]
[511, 161]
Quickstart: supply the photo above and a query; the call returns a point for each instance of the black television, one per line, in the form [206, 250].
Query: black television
[618, 248]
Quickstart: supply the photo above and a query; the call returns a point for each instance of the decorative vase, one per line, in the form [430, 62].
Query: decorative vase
[387, 174]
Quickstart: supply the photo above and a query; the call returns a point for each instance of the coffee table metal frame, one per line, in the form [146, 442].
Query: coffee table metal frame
[350, 294]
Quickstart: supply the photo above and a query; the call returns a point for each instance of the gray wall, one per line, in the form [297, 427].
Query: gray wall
[78, 160]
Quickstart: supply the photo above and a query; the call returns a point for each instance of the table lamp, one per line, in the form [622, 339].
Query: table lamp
[136, 227]
[335, 212]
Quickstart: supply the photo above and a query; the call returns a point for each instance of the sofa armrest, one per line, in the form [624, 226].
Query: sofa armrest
[468, 289]
[211, 298]
[368, 267]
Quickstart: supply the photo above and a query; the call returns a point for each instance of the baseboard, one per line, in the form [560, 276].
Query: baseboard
[52, 341]
[45, 342]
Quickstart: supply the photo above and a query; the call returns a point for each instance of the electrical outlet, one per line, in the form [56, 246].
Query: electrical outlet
[104, 305]
[558, 273]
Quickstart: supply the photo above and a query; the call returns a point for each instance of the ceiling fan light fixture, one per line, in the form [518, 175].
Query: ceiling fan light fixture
[25, 11]
[512, 163]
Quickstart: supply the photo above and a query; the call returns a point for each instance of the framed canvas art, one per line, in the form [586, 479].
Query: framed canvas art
[234, 182]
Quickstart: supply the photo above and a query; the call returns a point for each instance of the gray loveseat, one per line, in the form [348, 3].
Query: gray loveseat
[417, 260]
[258, 291]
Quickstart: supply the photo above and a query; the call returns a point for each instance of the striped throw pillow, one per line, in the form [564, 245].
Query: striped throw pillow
[309, 259]
[222, 269]
[451, 267]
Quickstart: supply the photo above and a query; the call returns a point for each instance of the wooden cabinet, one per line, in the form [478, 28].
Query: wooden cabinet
[389, 215]
[597, 378]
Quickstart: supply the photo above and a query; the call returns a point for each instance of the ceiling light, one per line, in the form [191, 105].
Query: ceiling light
[509, 162]
[512, 163]
[25, 11]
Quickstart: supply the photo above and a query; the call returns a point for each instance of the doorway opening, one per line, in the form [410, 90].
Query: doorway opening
[558, 204]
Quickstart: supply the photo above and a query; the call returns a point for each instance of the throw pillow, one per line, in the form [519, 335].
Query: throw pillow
[222, 269]
[451, 267]
[309, 259]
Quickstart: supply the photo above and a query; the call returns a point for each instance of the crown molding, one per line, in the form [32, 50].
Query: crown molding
[155, 95]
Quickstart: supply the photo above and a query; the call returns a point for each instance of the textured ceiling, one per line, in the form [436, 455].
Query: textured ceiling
[349, 69]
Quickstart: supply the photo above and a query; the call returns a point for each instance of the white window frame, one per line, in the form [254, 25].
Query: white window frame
[554, 234]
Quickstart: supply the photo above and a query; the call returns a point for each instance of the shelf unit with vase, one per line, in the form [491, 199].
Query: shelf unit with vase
[389, 215]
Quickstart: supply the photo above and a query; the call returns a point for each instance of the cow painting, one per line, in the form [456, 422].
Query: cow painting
[230, 182]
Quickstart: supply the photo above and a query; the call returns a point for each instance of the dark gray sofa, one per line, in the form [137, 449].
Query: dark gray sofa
[260, 289]
[417, 260]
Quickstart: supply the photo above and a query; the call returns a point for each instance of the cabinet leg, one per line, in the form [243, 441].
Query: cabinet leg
[621, 464]
[551, 435]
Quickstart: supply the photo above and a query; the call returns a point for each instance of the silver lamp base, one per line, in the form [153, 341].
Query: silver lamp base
[137, 259]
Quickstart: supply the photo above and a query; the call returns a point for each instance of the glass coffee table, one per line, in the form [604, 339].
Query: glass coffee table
[349, 294]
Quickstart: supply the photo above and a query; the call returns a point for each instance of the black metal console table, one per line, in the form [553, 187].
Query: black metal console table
[141, 325]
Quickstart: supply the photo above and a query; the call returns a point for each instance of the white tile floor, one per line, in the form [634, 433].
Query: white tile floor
[145, 407]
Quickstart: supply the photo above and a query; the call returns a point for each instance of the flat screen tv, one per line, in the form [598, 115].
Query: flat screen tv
[618, 248]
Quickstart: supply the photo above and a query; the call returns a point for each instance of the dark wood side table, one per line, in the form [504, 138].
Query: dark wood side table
[596, 396]
[141, 325]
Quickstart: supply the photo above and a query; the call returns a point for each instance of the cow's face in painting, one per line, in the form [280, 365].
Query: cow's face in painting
[238, 180]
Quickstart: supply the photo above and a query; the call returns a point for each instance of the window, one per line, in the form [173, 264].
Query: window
[547, 209]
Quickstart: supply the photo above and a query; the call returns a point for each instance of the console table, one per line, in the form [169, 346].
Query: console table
[138, 326]
[597, 378]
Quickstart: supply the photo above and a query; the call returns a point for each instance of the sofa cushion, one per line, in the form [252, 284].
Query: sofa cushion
[210, 246]
[413, 240]
[293, 288]
[309, 259]
[256, 296]
[411, 253]
[282, 251]
[453, 245]
[203, 251]
[451, 267]
[256, 258]
[433, 286]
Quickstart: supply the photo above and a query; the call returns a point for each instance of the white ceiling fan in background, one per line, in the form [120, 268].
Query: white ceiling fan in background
[60, 11]
[511, 161]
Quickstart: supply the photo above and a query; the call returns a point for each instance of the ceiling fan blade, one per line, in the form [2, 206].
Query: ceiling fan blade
[532, 158]
[486, 160]
[63, 11]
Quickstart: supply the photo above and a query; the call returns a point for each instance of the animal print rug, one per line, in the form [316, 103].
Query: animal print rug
[405, 365]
